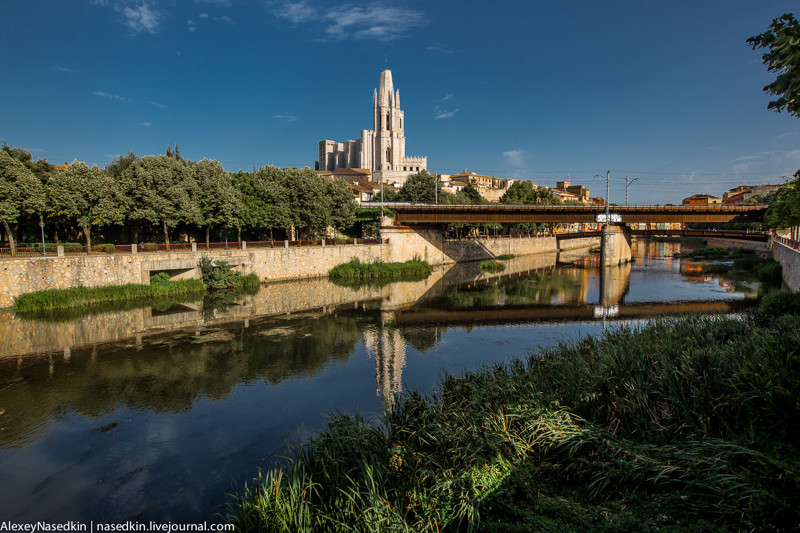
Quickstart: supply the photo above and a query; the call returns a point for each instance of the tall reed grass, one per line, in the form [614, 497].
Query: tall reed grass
[412, 270]
[81, 296]
[686, 424]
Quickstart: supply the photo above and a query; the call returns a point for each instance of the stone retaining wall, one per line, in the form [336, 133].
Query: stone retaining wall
[21, 275]
[790, 261]
[737, 243]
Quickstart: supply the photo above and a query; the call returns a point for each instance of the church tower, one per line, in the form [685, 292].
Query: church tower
[381, 149]
[387, 120]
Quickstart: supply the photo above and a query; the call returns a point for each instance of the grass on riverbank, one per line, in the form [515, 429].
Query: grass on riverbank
[355, 270]
[505, 257]
[82, 296]
[491, 266]
[691, 424]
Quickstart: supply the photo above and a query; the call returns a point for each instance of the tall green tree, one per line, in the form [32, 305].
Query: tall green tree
[219, 201]
[163, 192]
[87, 197]
[420, 187]
[470, 195]
[784, 211]
[525, 193]
[118, 165]
[21, 193]
[782, 41]
[342, 205]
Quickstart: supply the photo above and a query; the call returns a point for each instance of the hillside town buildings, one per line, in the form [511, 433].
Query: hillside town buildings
[382, 149]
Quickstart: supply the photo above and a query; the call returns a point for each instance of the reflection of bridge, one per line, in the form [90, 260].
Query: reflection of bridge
[563, 312]
[566, 214]
[760, 236]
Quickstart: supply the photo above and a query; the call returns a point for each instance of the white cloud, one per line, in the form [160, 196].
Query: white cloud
[145, 124]
[787, 134]
[191, 24]
[448, 97]
[287, 118]
[225, 18]
[202, 16]
[99, 2]
[156, 104]
[65, 70]
[110, 96]
[220, 3]
[515, 157]
[437, 48]
[438, 112]
[296, 12]
[141, 19]
[373, 21]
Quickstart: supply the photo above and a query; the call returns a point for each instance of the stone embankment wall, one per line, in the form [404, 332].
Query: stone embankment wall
[21, 275]
[790, 261]
[738, 243]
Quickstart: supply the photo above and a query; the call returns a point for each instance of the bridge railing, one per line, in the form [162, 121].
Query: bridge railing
[794, 245]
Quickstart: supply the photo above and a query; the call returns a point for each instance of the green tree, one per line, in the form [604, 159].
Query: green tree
[21, 193]
[218, 200]
[118, 165]
[784, 211]
[420, 187]
[343, 205]
[88, 197]
[525, 193]
[782, 41]
[470, 195]
[163, 192]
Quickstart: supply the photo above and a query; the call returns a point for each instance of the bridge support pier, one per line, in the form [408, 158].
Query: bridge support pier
[615, 245]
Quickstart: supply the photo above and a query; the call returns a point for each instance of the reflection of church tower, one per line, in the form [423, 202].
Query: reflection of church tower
[389, 350]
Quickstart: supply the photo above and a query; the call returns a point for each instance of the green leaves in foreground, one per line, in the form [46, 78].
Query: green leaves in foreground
[685, 424]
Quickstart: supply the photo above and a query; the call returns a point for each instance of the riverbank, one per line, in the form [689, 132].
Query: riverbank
[686, 424]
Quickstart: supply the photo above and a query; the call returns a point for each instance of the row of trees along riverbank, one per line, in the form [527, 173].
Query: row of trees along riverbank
[685, 424]
[151, 197]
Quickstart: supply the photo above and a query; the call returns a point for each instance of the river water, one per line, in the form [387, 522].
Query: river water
[157, 413]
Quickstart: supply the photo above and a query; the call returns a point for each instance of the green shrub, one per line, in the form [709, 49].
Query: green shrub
[491, 266]
[104, 248]
[780, 303]
[505, 257]
[412, 270]
[220, 274]
[150, 247]
[770, 270]
[159, 278]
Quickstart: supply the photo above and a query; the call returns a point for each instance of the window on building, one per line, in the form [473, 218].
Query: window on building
[387, 121]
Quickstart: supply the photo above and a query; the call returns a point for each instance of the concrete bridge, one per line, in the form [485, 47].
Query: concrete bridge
[615, 243]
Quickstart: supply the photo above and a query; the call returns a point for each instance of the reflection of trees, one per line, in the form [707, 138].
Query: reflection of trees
[422, 339]
[167, 374]
[539, 288]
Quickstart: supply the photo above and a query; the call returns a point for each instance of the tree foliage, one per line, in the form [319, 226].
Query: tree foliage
[784, 211]
[782, 41]
[525, 192]
[420, 187]
[88, 197]
[21, 193]
[219, 201]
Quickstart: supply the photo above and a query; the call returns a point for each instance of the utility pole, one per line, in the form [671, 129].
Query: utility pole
[608, 188]
[626, 187]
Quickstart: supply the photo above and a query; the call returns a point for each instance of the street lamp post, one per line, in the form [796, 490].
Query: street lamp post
[41, 225]
[627, 184]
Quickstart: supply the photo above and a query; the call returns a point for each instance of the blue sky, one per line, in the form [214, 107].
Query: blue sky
[668, 92]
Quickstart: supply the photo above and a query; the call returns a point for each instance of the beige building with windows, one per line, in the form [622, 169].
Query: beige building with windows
[381, 149]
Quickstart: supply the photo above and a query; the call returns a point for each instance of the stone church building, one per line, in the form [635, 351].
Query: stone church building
[381, 149]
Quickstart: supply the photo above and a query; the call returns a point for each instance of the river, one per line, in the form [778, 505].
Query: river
[157, 413]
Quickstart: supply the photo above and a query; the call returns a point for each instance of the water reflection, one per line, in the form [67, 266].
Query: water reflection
[150, 413]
